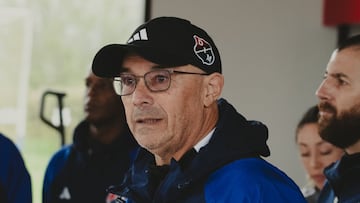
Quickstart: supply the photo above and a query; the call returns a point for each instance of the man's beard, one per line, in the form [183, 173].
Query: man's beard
[341, 130]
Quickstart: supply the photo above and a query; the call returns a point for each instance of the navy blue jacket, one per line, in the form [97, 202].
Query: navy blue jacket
[228, 169]
[15, 183]
[82, 171]
[343, 181]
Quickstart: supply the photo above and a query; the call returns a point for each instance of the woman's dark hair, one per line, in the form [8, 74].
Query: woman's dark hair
[310, 116]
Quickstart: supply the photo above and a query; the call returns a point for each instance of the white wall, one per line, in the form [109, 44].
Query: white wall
[274, 54]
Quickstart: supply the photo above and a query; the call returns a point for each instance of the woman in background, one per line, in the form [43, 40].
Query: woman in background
[315, 153]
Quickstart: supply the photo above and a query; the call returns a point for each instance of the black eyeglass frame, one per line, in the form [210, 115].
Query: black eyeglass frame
[169, 71]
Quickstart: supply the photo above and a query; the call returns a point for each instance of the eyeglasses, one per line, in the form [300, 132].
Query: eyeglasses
[155, 81]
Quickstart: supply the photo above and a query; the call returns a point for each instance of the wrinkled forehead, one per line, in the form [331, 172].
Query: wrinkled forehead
[133, 62]
[345, 64]
[349, 57]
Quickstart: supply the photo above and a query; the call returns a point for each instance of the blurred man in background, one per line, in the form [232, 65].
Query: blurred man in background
[100, 154]
[339, 122]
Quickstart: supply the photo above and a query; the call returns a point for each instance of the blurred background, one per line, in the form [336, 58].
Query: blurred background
[48, 45]
[274, 55]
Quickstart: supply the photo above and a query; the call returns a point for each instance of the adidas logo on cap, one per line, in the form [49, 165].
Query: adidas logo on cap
[167, 41]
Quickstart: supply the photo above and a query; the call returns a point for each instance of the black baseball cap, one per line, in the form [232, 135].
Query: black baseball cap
[167, 41]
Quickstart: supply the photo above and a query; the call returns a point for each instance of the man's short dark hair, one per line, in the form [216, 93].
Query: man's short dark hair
[353, 41]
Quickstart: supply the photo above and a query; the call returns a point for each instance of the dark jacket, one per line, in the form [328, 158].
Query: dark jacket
[82, 171]
[311, 193]
[343, 181]
[228, 169]
[15, 184]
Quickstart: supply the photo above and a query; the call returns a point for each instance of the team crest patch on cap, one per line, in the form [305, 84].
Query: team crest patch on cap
[203, 50]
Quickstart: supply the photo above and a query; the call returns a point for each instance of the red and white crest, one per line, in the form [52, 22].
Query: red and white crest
[203, 50]
[111, 198]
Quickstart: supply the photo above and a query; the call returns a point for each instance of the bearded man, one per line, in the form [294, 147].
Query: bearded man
[339, 121]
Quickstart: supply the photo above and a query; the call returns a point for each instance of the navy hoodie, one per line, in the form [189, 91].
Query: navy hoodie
[228, 169]
[343, 181]
[82, 171]
[15, 183]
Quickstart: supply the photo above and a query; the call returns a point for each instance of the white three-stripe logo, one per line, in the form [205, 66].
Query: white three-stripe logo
[65, 194]
[141, 35]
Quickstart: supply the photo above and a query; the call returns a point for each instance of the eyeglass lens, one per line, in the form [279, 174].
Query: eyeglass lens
[155, 81]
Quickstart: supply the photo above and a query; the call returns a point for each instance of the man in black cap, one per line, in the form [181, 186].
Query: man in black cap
[195, 146]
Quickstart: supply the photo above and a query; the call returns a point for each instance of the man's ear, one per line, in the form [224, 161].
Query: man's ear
[213, 88]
